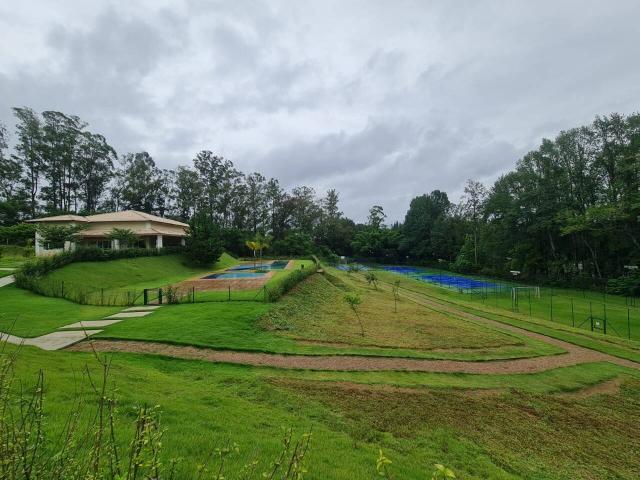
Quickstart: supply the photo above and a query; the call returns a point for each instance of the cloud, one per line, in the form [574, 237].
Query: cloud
[383, 101]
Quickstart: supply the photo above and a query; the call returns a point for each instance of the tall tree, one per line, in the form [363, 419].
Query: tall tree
[29, 153]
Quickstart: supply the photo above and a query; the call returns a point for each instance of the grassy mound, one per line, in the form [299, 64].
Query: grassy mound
[316, 312]
[132, 273]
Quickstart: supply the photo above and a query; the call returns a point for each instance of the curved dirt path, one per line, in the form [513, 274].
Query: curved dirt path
[574, 354]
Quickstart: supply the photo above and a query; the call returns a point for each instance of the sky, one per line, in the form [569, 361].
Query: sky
[382, 100]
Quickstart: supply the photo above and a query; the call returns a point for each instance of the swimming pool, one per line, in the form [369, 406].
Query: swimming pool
[232, 275]
[277, 265]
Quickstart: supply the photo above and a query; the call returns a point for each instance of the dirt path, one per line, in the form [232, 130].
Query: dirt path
[574, 354]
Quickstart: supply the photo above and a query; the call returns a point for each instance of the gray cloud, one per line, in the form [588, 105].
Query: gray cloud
[381, 100]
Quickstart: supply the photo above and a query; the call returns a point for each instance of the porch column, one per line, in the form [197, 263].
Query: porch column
[183, 242]
[159, 242]
[115, 244]
[37, 244]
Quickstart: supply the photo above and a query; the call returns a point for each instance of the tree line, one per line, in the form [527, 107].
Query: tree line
[568, 210]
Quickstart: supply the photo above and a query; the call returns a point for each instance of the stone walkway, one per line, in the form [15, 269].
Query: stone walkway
[6, 280]
[75, 332]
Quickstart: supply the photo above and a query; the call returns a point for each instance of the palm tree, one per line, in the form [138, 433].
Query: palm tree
[258, 244]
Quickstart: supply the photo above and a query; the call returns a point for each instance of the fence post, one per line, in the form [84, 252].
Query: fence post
[145, 296]
[573, 317]
[102, 296]
[159, 296]
[62, 289]
[628, 325]
[551, 306]
[591, 315]
[229, 286]
[604, 306]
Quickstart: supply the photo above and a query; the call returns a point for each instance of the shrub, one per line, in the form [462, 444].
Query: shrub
[286, 283]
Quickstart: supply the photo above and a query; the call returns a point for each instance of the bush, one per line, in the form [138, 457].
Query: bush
[287, 282]
[628, 285]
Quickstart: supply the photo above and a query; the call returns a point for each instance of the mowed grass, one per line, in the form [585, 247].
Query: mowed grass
[26, 314]
[572, 307]
[13, 256]
[509, 434]
[313, 319]
[610, 344]
[5, 273]
[133, 273]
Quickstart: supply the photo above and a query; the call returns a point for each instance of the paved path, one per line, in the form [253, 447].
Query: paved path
[6, 280]
[73, 333]
[50, 341]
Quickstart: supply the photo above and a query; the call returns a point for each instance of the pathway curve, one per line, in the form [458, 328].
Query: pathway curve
[6, 280]
[574, 354]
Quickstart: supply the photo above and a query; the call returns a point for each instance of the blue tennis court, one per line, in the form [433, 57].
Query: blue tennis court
[457, 282]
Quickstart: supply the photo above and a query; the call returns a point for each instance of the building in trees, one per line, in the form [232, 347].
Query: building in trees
[107, 230]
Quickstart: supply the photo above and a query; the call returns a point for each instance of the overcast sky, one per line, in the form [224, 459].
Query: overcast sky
[382, 100]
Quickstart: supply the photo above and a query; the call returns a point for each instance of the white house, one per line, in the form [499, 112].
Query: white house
[152, 231]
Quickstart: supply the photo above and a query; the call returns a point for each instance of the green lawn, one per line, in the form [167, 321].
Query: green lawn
[133, 273]
[26, 314]
[516, 434]
[5, 273]
[610, 344]
[313, 319]
[560, 305]
[12, 256]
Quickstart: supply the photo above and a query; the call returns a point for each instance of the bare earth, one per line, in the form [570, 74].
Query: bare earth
[574, 354]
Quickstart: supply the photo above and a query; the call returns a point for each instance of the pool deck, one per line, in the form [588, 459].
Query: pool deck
[201, 284]
[211, 284]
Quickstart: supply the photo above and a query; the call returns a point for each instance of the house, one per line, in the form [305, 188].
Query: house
[152, 231]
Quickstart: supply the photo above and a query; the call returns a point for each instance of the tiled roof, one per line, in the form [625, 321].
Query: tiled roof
[124, 216]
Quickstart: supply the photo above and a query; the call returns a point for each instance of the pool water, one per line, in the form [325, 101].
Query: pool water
[277, 265]
[232, 275]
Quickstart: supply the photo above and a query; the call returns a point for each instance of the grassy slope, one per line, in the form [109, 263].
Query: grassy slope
[314, 311]
[608, 344]
[133, 273]
[524, 434]
[5, 273]
[567, 306]
[26, 314]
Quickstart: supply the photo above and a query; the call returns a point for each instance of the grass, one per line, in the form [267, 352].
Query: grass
[26, 314]
[566, 306]
[314, 320]
[523, 433]
[5, 273]
[13, 256]
[133, 273]
[610, 344]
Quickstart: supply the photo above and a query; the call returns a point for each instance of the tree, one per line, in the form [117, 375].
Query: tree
[188, 192]
[372, 279]
[55, 236]
[139, 182]
[257, 245]
[29, 153]
[202, 245]
[376, 217]
[475, 195]
[126, 238]
[354, 301]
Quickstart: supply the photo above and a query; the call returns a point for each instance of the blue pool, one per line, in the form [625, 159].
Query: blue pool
[232, 275]
[277, 265]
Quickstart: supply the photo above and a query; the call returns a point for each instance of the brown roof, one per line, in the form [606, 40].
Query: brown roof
[60, 218]
[124, 216]
[146, 231]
